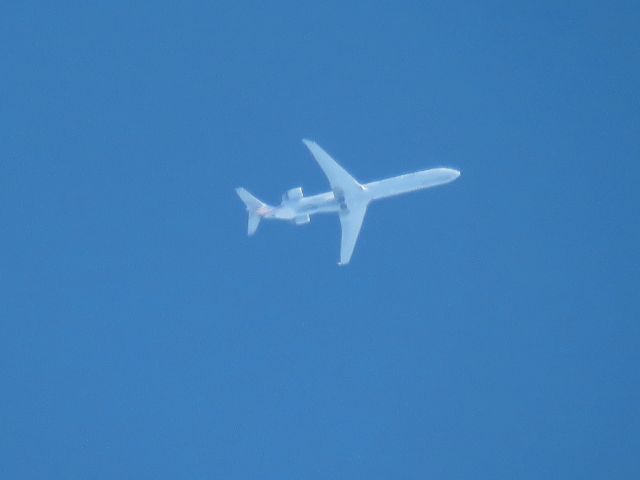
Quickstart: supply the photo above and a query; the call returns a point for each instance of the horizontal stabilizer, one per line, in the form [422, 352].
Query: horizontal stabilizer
[251, 202]
[253, 206]
[254, 221]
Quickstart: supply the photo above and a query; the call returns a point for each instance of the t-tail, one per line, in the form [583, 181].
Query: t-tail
[255, 208]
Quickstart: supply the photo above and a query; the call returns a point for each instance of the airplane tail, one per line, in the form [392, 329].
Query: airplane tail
[253, 206]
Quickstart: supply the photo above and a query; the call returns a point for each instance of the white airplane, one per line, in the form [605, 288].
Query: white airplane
[348, 198]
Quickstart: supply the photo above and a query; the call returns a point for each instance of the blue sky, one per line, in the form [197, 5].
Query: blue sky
[485, 329]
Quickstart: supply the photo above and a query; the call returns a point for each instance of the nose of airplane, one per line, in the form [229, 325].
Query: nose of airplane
[453, 173]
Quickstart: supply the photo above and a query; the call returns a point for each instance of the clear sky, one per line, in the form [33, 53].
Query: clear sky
[489, 328]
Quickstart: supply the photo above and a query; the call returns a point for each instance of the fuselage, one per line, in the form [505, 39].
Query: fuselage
[332, 202]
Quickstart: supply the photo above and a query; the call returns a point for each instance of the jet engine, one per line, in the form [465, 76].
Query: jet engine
[302, 219]
[293, 194]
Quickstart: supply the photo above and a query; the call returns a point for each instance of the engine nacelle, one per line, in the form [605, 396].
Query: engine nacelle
[302, 219]
[293, 194]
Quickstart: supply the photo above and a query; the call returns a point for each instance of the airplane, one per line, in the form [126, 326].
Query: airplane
[348, 198]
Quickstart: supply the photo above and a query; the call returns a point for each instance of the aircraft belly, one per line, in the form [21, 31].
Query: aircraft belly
[411, 182]
[319, 208]
[323, 203]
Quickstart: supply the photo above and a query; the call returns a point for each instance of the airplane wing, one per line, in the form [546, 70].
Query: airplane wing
[351, 222]
[348, 192]
[339, 179]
